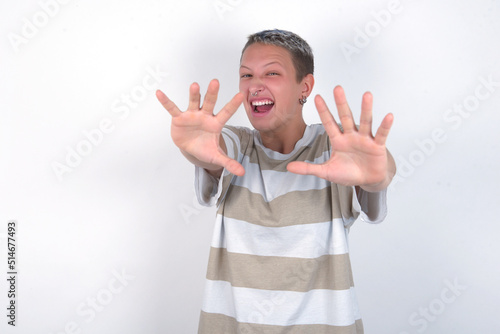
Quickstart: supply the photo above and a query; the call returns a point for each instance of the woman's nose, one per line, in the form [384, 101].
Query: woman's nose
[256, 86]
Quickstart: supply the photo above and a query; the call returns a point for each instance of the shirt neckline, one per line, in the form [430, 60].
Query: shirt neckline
[308, 133]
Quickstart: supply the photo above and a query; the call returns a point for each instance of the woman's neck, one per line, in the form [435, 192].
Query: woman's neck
[283, 141]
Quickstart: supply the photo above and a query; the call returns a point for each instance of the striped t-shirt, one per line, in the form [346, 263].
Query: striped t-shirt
[279, 260]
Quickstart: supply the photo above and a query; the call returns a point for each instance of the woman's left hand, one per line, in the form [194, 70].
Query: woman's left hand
[358, 158]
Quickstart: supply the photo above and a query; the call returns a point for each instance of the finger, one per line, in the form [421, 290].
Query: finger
[383, 130]
[167, 103]
[343, 109]
[234, 167]
[305, 168]
[230, 108]
[231, 165]
[194, 97]
[365, 124]
[331, 126]
[211, 96]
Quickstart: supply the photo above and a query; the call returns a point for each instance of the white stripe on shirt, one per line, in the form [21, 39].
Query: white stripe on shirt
[309, 240]
[282, 308]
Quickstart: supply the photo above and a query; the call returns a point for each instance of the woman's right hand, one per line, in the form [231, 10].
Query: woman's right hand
[197, 131]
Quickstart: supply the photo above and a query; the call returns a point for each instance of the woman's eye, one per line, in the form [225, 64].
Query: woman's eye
[273, 73]
[246, 76]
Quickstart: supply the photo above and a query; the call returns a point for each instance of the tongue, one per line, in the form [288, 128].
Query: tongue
[264, 108]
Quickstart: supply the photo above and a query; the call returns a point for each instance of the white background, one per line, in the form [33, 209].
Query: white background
[126, 207]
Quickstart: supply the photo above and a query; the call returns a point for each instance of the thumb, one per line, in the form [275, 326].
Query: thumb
[231, 165]
[234, 167]
[305, 168]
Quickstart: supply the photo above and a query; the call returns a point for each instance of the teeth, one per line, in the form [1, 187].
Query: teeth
[261, 103]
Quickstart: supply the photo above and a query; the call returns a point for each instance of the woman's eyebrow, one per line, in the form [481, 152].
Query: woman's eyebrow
[266, 65]
[273, 63]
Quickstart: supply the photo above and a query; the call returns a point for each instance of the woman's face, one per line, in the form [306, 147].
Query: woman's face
[268, 70]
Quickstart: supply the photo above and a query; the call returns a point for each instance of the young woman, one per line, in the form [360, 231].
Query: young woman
[286, 192]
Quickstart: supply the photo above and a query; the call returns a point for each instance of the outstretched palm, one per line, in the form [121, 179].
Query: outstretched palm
[358, 158]
[197, 131]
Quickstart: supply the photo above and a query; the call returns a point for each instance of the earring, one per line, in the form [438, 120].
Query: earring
[303, 100]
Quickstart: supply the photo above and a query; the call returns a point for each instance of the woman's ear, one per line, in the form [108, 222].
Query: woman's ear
[307, 85]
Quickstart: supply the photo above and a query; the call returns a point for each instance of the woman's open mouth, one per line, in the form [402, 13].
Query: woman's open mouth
[262, 107]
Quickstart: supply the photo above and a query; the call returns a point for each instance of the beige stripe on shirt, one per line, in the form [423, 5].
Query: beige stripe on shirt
[253, 209]
[211, 323]
[331, 272]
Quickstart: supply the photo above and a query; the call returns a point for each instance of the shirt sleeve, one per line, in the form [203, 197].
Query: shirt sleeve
[206, 187]
[365, 206]
[372, 206]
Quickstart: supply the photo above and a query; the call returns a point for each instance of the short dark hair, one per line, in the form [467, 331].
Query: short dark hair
[300, 51]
